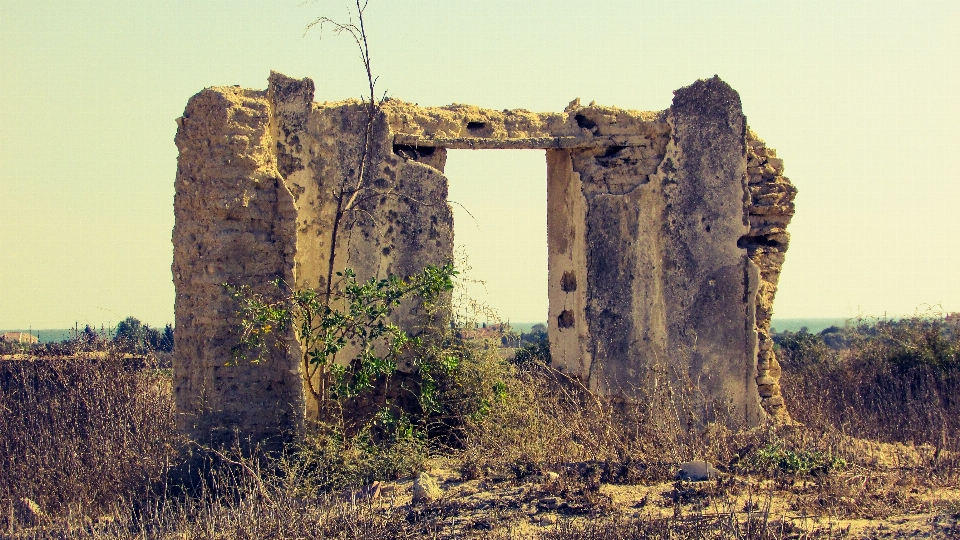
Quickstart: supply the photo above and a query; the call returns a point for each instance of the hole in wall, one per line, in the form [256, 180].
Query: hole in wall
[750, 242]
[565, 319]
[613, 150]
[413, 152]
[583, 122]
[499, 203]
[568, 283]
[476, 126]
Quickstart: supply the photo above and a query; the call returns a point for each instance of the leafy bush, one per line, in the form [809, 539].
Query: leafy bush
[134, 337]
[538, 352]
[536, 336]
[335, 461]
[347, 342]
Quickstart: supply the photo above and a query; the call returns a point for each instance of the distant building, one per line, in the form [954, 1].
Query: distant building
[20, 337]
[953, 320]
[500, 331]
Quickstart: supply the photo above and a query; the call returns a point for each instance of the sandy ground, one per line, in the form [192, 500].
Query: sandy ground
[503, 506]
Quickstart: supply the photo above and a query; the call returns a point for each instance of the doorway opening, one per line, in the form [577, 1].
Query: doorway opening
[499, 202]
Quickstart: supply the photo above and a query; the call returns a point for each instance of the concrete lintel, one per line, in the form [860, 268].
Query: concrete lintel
[524, 143]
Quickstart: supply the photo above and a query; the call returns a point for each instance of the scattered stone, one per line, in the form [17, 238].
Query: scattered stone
[426, 489]
[774, 401]
[483, 524]
[498, 476]
[545, 478]
[367, 493]
[696, 471]
[547, 519]
[551, 503]
[27, 512]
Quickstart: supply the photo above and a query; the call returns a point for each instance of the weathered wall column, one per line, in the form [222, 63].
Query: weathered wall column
[709, 281]
[645, 268]
[566, 266]
[234, 223]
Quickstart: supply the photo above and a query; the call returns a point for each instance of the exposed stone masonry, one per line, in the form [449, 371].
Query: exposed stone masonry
[771, 209]
[234, 223]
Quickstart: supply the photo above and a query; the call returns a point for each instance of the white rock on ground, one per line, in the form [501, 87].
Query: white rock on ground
[426, 489]
[696, 471]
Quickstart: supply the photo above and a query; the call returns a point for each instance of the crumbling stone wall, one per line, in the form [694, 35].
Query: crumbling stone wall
[771, 208]
[666, 234]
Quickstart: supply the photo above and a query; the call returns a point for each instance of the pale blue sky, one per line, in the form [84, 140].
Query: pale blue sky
[859, 98]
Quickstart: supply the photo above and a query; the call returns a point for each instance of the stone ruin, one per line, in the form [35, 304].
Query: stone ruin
[666, 235]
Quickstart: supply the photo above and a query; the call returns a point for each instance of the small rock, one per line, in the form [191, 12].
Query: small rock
[368, 493]
[545, 478]
[426, 489]
[765, 379]
[498, 476]
[767, 390]
[547, 520]
[27, 512]
[696, 471]
[550, 503]
[483, 525]
[774, 401]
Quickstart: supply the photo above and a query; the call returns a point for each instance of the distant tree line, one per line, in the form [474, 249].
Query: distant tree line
[135, 337]
[534, 346]
[131, 336]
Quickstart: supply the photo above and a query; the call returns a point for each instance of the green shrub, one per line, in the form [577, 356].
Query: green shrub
[777, 457]
[537, 352]
[347, 342]
[333, 461]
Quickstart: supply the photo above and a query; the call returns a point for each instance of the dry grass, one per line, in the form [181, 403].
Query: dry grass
[540, 419]
[893, 381]
[82, 436]
[92, 443]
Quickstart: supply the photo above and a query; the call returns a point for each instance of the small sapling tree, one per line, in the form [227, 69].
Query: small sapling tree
[343, 329]
[345, 345]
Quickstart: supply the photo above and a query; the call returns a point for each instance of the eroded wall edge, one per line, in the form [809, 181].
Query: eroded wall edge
[234, 224]
[394, 221]
[770, 211]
